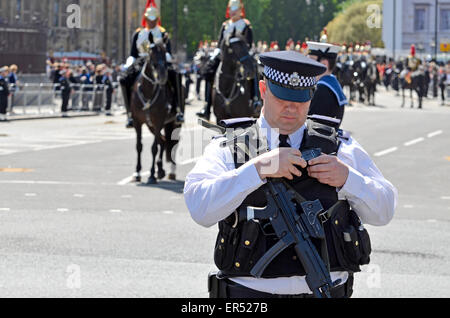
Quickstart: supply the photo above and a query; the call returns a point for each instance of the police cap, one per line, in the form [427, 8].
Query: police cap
[291, 75]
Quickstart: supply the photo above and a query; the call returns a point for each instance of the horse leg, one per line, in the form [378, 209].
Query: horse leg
[412, 98]
[161, 172]
[170, 145]
[152, 179]
[403, 97]
[139, 147]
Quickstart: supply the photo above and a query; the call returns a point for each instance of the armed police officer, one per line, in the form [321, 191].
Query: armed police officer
[224, 185]
[139, 51]
[329, 99]
[236, 23]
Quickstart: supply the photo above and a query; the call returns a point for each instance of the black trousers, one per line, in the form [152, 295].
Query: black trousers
[108, 100]
[65, 101]
[3, 104]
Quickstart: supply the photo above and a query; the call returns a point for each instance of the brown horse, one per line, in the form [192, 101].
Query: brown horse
[149, 104]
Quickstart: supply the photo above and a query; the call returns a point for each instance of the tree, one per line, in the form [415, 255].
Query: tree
[272, 20]
[355, 23]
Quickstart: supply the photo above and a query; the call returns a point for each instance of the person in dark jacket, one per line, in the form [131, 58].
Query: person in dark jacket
[4, 92]
[66, 89]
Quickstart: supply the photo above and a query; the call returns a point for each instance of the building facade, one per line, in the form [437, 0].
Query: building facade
[105, 28]
[418, 22]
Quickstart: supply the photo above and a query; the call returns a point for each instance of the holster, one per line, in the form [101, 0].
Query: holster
[217, 288]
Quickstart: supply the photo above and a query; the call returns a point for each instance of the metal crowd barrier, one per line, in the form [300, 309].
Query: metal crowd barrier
[46, 97]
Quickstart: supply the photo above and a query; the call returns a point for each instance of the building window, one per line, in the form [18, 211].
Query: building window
[419, 19]
[56, 14]
[445, 19]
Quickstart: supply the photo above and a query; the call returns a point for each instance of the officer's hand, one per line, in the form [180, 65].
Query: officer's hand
[328, 170]
[280, 163]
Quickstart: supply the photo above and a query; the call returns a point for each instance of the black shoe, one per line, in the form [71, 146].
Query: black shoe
[204, 114]
[130, 124]
[180, 118]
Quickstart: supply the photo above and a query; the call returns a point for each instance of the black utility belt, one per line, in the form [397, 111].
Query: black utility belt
[226, 288]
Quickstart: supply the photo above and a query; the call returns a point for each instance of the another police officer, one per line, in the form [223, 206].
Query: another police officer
[109, 90]
[66, 90]
[329, 99]
[219, 186]
[4, 93]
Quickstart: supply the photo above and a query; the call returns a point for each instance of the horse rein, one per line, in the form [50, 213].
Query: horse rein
[156, 83]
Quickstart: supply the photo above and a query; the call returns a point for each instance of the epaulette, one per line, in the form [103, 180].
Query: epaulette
[247, 22]
[235, 123]
[138, 29]
[161, 29]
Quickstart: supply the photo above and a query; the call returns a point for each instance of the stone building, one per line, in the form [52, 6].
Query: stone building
[407, 22]
[106, 26]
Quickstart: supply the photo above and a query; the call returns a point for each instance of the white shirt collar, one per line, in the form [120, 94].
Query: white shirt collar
[272, 135]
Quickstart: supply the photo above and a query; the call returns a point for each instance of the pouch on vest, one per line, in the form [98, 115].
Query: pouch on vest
[351, 240]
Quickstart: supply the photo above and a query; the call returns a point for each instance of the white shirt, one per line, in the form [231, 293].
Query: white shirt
[214, 189]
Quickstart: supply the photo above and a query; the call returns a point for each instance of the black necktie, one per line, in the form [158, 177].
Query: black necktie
[284, 141]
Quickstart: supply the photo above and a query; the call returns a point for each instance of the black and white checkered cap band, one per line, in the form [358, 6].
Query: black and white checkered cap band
[292, 80]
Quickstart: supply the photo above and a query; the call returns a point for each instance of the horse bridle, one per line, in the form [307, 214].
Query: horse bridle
[157, 84]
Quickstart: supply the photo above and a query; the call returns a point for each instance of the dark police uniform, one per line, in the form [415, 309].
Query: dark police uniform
[107, 82]
[329, 99]
[65, 87]
[224, 183]
[4, 93]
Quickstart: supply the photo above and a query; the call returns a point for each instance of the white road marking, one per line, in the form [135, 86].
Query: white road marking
[385, 152]
[126, 196]
[445, 198]
[432, 221]
[30, 194]
[408, 206]
[62, 210]
[5, 209]
[115, 211]
[131, 178]
[434, 134]
[76, 195]
[167, 212]
[413, 142]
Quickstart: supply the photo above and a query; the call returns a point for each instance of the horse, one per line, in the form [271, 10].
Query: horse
[370, 81]
[231, 96]
[413, 81]
[346, 77]
[149, 105]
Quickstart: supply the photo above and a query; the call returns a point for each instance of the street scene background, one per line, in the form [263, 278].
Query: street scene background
[74, 224]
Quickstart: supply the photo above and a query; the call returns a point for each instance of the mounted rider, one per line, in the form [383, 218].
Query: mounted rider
[412, 64]
[236, 23]
[140, 49]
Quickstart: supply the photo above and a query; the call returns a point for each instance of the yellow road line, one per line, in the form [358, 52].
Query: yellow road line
[15, 170]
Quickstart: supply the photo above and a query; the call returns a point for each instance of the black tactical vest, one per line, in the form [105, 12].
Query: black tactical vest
[240, 245]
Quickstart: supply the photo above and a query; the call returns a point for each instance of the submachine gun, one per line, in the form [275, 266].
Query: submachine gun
[294, 229]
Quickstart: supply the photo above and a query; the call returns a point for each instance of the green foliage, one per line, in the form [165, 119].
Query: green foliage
[351, 24]
[272, 20]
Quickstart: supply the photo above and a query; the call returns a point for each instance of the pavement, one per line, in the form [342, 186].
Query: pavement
[72, 224]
